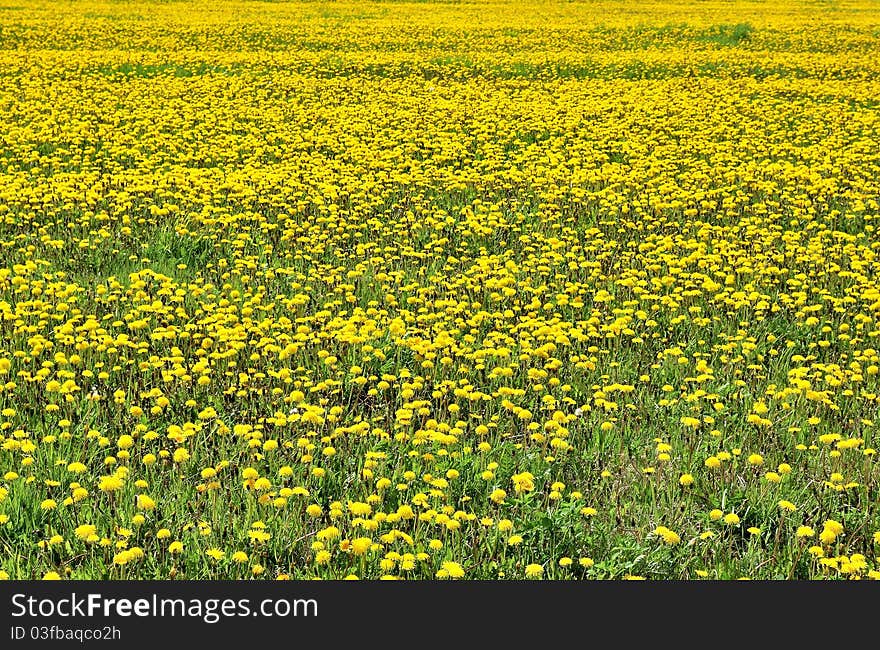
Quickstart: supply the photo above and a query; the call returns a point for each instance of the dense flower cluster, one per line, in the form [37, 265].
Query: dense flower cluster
[439, 290]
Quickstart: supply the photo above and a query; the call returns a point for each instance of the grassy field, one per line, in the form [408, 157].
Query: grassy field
[476, 290]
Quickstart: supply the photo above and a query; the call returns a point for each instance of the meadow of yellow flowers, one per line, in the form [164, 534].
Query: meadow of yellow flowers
[475, 290]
